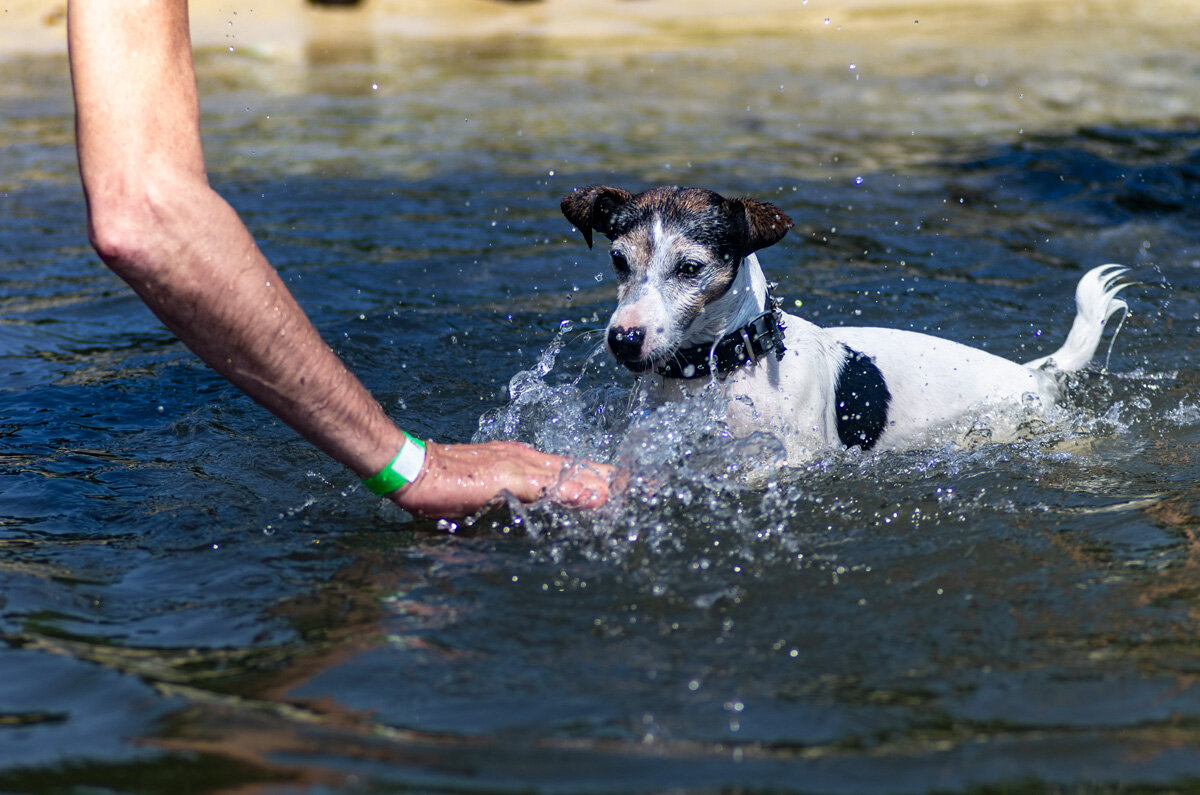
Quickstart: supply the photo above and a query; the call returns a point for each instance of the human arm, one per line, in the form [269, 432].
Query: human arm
[156, 222]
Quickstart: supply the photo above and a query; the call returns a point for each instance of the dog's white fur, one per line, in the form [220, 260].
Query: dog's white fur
[931, 382]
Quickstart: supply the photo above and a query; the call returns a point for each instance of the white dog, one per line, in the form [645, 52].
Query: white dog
[693, 305]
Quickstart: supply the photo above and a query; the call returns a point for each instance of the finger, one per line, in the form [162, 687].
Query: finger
[584, 484]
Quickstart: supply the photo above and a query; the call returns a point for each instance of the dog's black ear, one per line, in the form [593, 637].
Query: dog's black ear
[765, 223]
[592, 208]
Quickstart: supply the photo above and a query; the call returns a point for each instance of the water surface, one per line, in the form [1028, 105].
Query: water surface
[192, 595]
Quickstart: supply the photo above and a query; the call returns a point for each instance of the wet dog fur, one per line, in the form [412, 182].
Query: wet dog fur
[688, 274]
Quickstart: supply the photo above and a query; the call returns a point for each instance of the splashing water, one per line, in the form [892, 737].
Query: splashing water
[705, 511]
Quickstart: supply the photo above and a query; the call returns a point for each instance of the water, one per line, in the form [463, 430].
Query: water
[192, 596]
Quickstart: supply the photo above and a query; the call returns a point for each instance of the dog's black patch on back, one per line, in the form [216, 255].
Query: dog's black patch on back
[861, 399]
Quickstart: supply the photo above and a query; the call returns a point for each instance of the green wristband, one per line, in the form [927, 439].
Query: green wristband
[404, 469]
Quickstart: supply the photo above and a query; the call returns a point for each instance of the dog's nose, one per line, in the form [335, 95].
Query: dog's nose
[626, 343]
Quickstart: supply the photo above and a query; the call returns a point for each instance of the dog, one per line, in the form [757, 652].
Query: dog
[694, 305]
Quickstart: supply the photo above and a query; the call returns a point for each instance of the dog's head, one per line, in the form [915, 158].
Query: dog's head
[675, 252]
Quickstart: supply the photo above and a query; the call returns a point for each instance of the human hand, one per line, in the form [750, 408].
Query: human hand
[459, 479]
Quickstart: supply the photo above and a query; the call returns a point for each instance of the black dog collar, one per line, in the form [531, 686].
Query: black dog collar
[739, 347]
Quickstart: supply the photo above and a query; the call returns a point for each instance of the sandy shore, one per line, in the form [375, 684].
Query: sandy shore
[285, 27]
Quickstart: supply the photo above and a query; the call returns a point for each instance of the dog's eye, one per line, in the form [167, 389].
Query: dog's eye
[620, 264]
[689, 267]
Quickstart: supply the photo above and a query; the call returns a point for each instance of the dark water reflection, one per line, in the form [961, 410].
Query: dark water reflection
[190, 594]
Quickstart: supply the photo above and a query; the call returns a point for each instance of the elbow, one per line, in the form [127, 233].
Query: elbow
[117, 227]
[131, 223]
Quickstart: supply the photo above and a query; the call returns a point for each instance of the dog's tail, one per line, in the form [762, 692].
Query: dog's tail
[1095, 302]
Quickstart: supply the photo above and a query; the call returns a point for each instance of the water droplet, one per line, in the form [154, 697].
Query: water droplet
[826, 20]
[231, 49]
[858, 180]
[853, 66]
[374, 86]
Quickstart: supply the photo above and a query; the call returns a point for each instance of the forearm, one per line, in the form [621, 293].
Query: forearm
[200, 272]
[198, 269]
